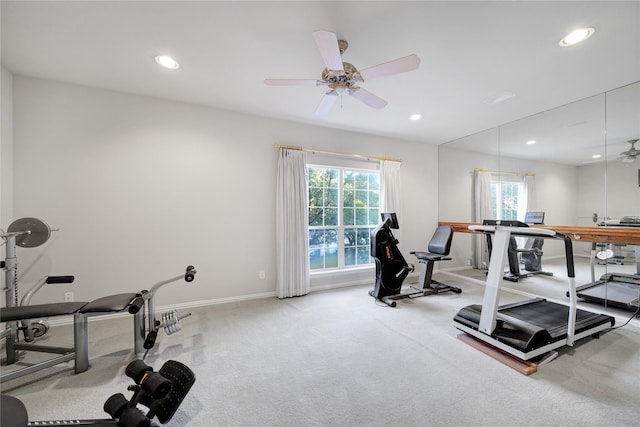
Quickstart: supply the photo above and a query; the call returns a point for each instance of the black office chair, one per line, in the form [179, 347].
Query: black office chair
[438, 250]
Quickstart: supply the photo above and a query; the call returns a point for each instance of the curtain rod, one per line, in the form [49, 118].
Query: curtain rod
[507, 172]
[361, 156]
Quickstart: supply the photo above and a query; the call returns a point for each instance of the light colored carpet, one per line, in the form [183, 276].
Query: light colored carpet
[336, 358]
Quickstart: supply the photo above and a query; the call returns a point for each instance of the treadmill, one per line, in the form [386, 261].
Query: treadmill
[530, 328]
[613, 289]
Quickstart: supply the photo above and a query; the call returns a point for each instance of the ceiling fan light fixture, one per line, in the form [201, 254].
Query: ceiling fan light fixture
[577, 36]
[167, 62]
[415, 117]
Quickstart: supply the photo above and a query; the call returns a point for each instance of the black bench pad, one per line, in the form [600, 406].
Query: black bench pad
[109, 304]
[8, 314]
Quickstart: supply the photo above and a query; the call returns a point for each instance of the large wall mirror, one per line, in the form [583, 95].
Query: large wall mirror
[581, 170]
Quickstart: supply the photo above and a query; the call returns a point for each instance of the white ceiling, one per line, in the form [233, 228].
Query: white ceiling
[471, 52]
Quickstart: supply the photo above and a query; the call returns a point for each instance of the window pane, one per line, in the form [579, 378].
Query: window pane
[315, 196]
[363, 255]
[362, 181]
[332, 178]
[331, 197]
[331, 238]
[374, 181]
[363, 236]
[331, 258]
[373, 216]
[347, 199]
[350, 256]
[362, 198]
[315, 217]
[349, 237]
[331, 216]
[316, 259]
[348, 216]
[374, 199]
[348, 182]
[362, 216]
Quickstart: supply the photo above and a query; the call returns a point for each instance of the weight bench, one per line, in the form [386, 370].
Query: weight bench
[79, 353]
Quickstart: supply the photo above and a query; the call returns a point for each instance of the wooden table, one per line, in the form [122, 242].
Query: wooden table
[609, 234]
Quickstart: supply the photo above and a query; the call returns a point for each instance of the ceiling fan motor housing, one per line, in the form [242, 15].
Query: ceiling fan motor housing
[346, 78]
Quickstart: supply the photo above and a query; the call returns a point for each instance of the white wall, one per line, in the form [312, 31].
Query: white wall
[141, 187]
[555, 193]
[6, 158]
[6, 147]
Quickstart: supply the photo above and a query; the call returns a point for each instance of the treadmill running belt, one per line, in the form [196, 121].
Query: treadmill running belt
[614, 293]
[553, 317]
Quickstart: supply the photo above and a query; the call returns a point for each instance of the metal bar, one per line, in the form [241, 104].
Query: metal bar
[37, 367]
[43, 348]
[505, 172]
[81, 342]
[337, 153]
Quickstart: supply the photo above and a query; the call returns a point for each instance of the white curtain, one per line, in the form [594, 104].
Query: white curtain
[482, 210]
[292, 239]
[390, 191]
[390, 186]
[530, 193]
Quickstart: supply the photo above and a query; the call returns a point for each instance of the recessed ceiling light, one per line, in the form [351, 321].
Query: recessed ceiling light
[167, 62]
[596, 156]
[501, 98]
[531, 142]
[576, 36]
[415, 117]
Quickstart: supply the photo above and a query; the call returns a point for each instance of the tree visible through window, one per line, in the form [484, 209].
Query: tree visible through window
[343, 209]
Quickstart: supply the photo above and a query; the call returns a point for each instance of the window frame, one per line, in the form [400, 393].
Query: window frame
[341, 227]
[498, 181]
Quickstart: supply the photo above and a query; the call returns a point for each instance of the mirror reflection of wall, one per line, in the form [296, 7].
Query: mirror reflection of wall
[576, 160]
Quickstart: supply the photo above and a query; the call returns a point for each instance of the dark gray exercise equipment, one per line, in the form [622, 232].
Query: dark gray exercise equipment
[160, 392]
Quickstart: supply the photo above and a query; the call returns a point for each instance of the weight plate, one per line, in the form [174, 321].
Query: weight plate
[606, 254]
[36, 232]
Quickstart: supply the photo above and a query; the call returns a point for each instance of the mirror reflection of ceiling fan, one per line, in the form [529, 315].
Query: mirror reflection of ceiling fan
[341, 77]
[631, 154]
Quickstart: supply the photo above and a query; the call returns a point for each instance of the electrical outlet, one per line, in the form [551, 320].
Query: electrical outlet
[261, 274]
[68, 297]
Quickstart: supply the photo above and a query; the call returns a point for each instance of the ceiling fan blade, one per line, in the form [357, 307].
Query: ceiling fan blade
[329, 50]
[367, 97]
[292, 82]
[401, 65]
[326, 103]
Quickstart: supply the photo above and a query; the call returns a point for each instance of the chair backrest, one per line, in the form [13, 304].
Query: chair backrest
[440, 243]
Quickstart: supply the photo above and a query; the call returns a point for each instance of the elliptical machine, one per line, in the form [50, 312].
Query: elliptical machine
[391, 267]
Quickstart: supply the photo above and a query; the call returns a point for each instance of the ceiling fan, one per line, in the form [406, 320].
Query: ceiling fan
[631, 154]
[341, 77]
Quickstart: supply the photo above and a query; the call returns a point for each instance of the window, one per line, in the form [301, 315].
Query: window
[343, 209]
[507, 199]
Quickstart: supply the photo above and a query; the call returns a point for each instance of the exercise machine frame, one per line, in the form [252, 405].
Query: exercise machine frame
[141, 305]
[501, 328]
